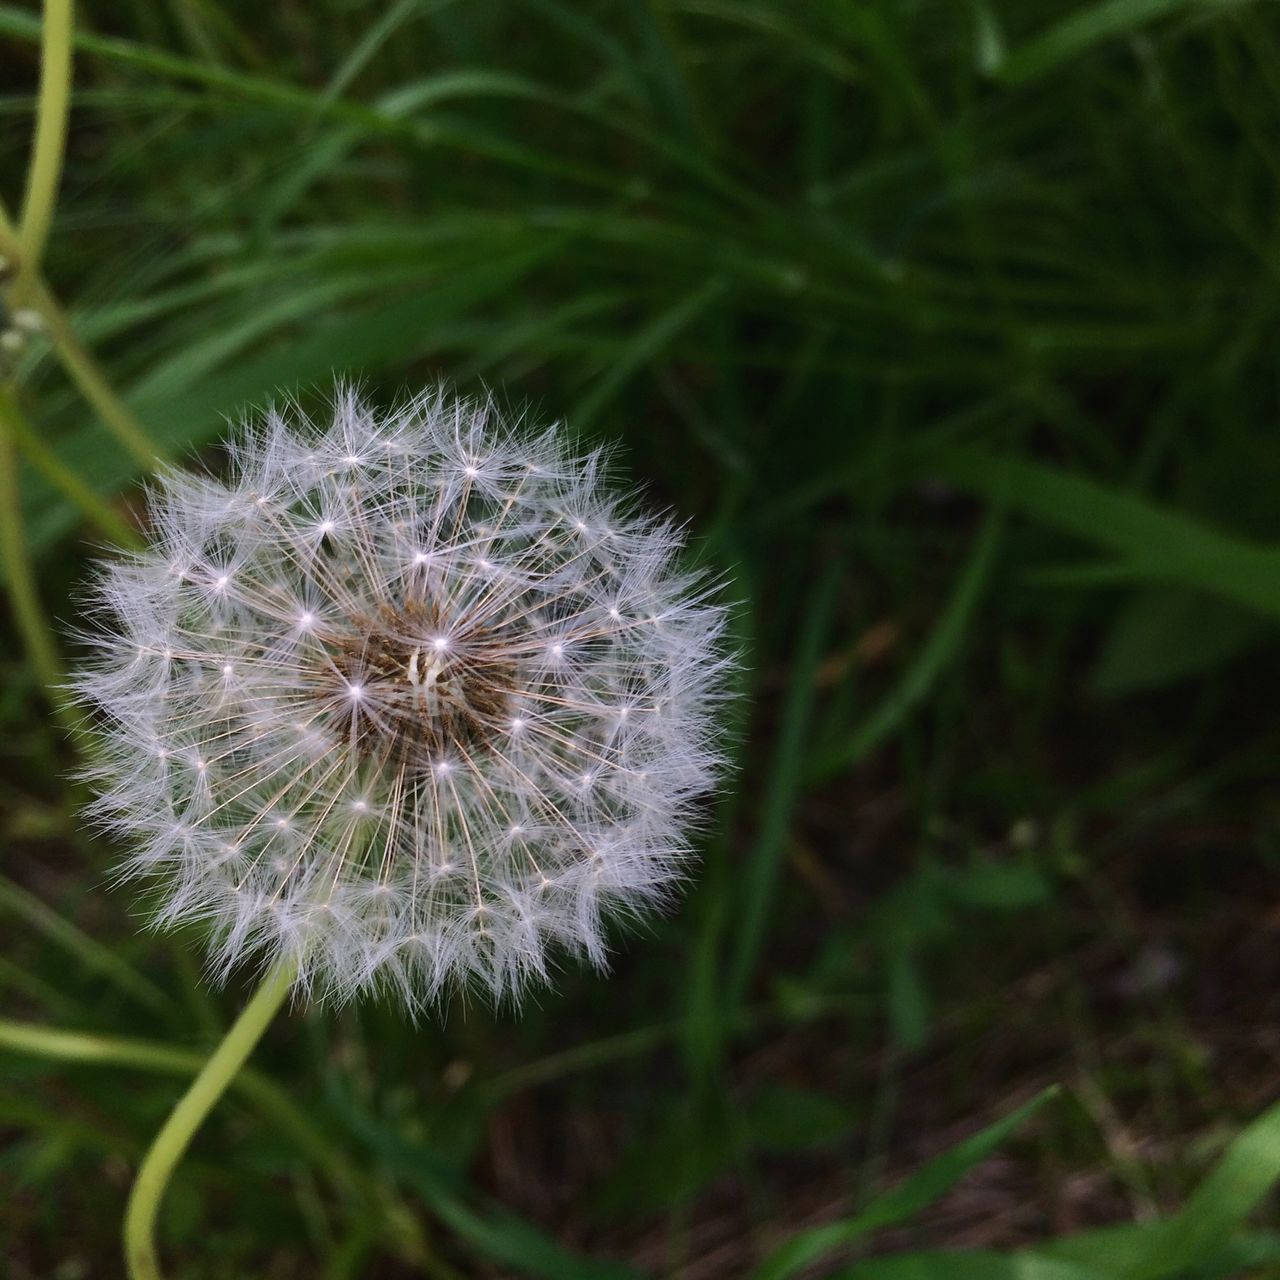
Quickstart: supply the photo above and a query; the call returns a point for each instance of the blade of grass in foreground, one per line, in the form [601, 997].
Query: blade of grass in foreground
[1087, 27]
[904, 1201]
[760, 870]
[1151, 541]
[487, 1229]
[641, 350]
[938, 651]
[92, 954]
[196, 387]
[977, 1264]
[1234, 1187]
[1113, 1250]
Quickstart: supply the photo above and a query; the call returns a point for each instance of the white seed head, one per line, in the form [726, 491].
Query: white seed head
[412, 701]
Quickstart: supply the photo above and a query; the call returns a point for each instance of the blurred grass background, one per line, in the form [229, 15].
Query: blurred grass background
[951, 326]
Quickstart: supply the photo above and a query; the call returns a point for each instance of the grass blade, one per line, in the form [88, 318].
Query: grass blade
[24, 598]
[976, 1264]
[761, 870]
[903, 1202]
[1086, 28]
[95, 509]
[1154, 542]
[489, 1230]
[1234, 1187]
[1113, 1251]
[93, 955]
[640, 350]
[89, 1048]
[919, 678]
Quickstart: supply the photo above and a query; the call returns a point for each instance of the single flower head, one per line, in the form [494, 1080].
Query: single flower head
[410, 699]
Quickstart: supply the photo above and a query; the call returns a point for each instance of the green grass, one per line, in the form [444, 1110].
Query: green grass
[950, 328]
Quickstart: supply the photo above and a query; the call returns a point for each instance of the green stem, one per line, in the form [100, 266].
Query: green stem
[94, 509]
[89, 1047]
[27, 610]
[26, 245]
[176, 1134]
[93, 383]
[146, 1055]
[81, 367]
[49, 144]
[352, 1185]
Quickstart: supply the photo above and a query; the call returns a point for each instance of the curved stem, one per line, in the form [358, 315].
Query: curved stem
[275, 1105]
[28, 613]
[96, 510]
[176, 1134]
[26, 243]
[361, 1191]
[87, 374]
[50, 139]
[81, 367]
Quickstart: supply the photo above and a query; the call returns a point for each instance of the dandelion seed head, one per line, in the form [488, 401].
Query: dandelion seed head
[414, 701]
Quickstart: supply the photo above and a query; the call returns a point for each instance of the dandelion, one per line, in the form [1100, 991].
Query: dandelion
[409, 701]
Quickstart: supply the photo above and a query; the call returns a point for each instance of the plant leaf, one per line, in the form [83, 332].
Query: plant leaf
[1163, 636]
[902, 1202]
[1085, 28]
[1156, 543]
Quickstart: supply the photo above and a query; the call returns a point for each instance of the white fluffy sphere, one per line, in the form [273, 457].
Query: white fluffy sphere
[408, 699]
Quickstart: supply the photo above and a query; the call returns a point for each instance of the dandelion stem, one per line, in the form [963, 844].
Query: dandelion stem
[361, 1191]
[175, 1136]
[49, 143]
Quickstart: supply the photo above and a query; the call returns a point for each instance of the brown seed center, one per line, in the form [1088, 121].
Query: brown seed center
[406, 688]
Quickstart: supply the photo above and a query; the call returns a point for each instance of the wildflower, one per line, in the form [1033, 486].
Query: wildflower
[406, 701]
